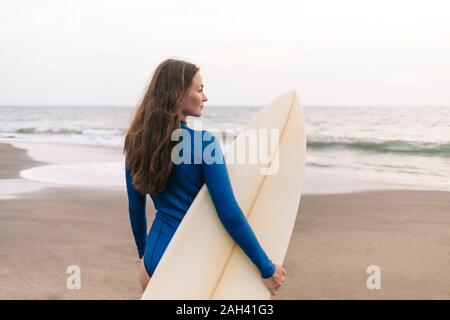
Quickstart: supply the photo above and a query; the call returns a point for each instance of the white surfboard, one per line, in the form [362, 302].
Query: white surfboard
[202, 261]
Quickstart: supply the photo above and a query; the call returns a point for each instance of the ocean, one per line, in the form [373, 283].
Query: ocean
[398, 146]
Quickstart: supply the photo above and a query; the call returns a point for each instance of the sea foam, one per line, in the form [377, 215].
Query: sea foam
[80, 174]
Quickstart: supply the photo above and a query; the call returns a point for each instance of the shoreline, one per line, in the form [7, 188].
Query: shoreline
[11, 167]
[335, 239]
[76, 157]
[68, 153]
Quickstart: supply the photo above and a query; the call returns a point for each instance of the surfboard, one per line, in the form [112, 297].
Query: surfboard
[202, 261]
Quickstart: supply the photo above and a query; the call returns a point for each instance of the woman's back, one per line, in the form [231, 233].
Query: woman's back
[186, 180]
[198, 159]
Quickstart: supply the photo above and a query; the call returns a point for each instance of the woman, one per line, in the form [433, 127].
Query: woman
[175, 92]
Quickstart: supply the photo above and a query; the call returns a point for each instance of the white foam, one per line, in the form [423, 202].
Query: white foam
[10, 188]
[71, 165]
[64, 154]
[106, 173]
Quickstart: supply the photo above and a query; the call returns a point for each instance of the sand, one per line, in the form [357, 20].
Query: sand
[12, 160]
[336, 238]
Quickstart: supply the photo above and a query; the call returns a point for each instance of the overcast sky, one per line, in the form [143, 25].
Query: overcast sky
[347, 52]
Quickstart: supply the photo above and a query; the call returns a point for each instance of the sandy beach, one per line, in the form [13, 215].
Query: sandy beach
[336, 238]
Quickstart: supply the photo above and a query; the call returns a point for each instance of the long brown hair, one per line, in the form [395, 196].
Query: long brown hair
[147, 142]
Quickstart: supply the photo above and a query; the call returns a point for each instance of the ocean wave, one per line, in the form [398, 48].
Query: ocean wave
[319, 165]
[390, 146]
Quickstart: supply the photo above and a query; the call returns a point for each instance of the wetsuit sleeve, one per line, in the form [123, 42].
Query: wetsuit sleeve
[228, 210]
[136, 209]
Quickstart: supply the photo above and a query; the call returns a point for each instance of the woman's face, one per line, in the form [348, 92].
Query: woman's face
[193, 102]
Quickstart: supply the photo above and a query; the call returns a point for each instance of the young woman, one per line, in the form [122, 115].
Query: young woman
[175, 92]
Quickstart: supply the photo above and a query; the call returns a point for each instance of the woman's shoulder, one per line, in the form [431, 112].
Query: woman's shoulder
[209, 135]
[202, 134]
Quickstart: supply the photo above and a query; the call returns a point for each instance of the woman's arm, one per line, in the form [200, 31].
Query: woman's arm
[136, 208]
[230, 214]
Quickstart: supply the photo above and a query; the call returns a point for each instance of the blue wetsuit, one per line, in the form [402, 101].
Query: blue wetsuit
[173, 202]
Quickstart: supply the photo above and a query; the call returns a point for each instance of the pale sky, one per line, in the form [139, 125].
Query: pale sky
[347, 52]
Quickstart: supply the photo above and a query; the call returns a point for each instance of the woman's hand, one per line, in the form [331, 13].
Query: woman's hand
[276, 281]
